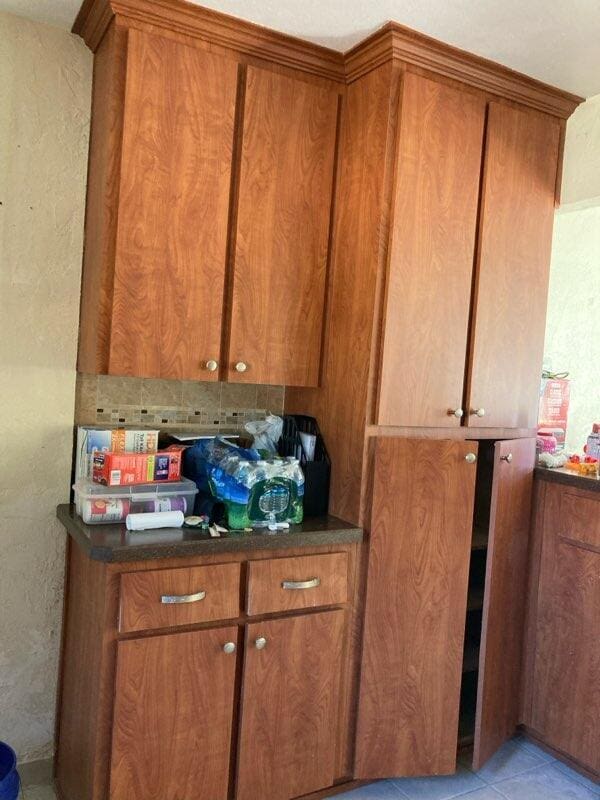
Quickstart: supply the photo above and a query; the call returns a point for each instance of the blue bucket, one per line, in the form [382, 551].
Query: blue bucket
[9, 777]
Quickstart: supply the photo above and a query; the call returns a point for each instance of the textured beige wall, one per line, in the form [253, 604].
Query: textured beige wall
[581, 170]
[45, 86]
[572, 341]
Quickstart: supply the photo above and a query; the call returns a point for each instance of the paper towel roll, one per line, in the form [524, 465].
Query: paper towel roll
[155, 519]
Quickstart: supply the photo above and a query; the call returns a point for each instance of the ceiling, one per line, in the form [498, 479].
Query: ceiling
[553, 40]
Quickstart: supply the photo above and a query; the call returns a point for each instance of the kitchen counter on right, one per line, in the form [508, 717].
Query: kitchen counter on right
[568, 478]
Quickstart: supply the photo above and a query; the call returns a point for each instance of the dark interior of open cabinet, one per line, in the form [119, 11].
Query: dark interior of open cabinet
[473, 622]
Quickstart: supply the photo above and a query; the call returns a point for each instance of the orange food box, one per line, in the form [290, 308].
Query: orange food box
[124, 469]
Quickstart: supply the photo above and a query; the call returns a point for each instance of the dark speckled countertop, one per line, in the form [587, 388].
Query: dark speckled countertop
[114, 543]
[568, 478]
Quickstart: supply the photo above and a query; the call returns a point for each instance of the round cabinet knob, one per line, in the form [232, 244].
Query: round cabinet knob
[470, 458]
[455, 412]
[241, 366]
[260, 643]
[508, 457]
[229, 647]
[479, 412]
[211, 365]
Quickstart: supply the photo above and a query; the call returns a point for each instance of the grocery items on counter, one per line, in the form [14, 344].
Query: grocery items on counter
[109, 440]
[154, 520]
[255, 491]
[101, 504]
[122, 469]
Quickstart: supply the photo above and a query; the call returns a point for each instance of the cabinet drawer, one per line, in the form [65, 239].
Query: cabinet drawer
[580, 519]
[285, 584]
[165, 598]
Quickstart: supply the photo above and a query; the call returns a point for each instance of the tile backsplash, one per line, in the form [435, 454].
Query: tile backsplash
[181, 405]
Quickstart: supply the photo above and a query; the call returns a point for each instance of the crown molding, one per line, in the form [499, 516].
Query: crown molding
[396, 42]
[213, 26]
[392, 42]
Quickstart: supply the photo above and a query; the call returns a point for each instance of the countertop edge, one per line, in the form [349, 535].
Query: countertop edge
[124, 552]
[567, 478]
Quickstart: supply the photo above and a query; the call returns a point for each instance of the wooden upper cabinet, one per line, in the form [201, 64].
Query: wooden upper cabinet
[290, 706]
[173, 714]
[517, 211]
[282, 235]
[169, 269]
[500, 664]
[416, 601]
[432, 252]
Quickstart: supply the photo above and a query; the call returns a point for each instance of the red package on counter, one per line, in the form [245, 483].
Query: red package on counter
[122, 469]
[554, 409]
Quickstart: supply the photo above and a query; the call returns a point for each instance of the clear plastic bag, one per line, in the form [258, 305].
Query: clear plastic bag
[266, 432]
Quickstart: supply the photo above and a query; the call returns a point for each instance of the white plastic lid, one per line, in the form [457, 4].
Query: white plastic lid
[136, 492]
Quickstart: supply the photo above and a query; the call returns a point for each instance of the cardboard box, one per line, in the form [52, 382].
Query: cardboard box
[110, 440]
[123, 469]
[554, 408]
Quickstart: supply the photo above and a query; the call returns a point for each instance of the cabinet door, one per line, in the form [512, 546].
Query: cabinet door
[420, 544]
[566, 675]
[173, 713]
[500, 658]
[290, 706]
[428, 294]
[517, 212]
[173, 210]
[283, 215]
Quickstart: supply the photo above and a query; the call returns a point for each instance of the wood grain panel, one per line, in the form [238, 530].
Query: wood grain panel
[428, 293]
[580, 519]
[141, 592]
[81, 670]
[501, 657]
[282, 234]
[173, 210]
[173, 715]
[517, 213]
[420, 542]
[290, 706]
[360, 256]
[566, 685]
[102, 201]
[266, 593]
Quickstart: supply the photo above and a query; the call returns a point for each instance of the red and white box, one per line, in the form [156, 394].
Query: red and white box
[554, 408]
[125, 469]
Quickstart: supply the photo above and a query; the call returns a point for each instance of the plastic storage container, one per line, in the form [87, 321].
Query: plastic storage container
[98, 504]
[9, 777]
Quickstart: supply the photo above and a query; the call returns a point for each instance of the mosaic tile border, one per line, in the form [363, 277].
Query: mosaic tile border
[182, 405]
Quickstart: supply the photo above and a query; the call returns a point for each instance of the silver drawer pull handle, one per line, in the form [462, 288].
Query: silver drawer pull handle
[182, 598]
[311, 583]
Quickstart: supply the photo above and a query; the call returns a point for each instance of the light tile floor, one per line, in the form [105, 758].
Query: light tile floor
[518, 771]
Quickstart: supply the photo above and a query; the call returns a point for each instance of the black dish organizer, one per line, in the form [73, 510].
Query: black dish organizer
[317, 473]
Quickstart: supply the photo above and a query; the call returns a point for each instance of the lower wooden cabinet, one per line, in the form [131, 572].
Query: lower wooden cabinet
[290, 706]
[562, 702]
[170, 690]
[445, 603]
[173, 713]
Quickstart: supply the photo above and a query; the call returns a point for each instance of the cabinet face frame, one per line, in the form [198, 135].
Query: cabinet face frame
[173, 715]
[521, 160]
[281, 237]
[431, 254]
[176, 160]
[420, 543]
[290, 705]
[501, 651]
